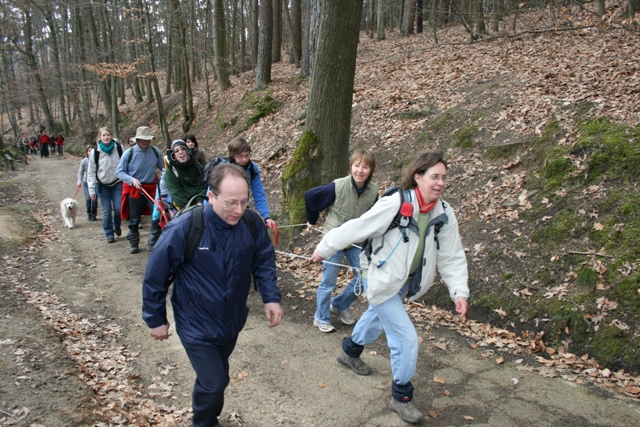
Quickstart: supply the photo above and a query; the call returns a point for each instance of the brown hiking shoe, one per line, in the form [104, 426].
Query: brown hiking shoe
[407, 411]
[356, 364]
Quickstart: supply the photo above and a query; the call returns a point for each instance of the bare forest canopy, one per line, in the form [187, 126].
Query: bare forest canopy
[69, 66]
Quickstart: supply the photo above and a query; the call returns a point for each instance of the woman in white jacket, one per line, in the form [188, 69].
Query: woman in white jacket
[402, 266]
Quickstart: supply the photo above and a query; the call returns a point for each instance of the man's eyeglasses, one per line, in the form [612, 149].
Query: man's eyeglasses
[230, 205]
[242, 156]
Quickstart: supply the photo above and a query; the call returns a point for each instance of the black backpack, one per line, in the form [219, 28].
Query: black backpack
[197, 227]
[217, 160]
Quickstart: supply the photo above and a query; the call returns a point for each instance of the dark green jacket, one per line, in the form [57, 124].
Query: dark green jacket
[183, 180]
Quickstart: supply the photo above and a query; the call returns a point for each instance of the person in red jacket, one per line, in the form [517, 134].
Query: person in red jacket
[44, 141]
[59, 142]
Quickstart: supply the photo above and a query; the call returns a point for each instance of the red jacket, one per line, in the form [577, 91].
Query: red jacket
[44, 139]
[130, 190]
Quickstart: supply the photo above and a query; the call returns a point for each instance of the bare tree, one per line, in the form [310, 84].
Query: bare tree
[323, 150]
[220, 46]
[263, 70]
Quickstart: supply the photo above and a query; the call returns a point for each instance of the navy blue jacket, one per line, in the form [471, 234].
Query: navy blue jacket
[210, 290]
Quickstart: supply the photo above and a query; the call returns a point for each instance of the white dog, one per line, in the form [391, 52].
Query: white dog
[68, 208]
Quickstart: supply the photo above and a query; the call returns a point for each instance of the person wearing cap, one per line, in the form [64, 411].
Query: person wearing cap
[183, 175]
[137, 170]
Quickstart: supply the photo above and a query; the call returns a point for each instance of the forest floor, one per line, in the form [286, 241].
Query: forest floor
[74, 350]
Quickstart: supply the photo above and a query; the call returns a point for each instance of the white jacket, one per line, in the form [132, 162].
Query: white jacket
[106, 173]
[386, 281]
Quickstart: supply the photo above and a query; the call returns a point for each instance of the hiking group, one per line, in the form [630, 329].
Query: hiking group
[212, 249]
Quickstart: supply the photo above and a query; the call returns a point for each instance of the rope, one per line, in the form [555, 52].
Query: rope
[292, 225]
[325, 232]
[357, 289]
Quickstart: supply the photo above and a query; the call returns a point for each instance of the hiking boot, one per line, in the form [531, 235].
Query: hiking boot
[110, 239]
[356, 364]
[407, 411]
[324, 327]
[150, 246]
[133, 249]
[89, 217]
[345, 315]
[118, 231]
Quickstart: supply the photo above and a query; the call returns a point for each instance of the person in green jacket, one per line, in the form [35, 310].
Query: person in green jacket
[183, 175]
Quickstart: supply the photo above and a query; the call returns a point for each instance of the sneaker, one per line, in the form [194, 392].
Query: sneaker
[111, 239]
[118, 231]
[345, 315]
[134, 249]
[407, 411]
[324, 327]
[356, 364]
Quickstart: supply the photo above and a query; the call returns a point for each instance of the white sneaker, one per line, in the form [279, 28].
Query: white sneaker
[345, 315]
[324, 327]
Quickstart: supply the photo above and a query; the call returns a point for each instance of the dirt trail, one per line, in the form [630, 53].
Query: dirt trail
[283, 376]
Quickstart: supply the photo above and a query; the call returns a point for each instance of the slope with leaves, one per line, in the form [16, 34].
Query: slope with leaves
[515, 115]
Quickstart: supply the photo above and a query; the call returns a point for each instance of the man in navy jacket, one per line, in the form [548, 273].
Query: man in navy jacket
[211, 289]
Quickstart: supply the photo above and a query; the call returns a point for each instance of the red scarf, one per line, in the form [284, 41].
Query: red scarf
[424, 208]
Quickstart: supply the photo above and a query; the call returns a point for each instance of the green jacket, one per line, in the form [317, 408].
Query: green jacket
[183, 180]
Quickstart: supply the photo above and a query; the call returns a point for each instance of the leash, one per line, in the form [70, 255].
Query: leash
[324, 232]
[157, 204]
[357, 290]
[76, 193]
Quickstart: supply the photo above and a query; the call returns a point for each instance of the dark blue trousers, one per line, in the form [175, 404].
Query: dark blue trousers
[211, 364]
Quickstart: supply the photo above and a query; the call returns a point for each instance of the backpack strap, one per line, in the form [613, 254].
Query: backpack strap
[195, 231]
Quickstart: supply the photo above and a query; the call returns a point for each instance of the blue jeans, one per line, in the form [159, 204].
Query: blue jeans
[92, 205]
[328, 283]
[110, 200]
[211, 364]
[391, 318]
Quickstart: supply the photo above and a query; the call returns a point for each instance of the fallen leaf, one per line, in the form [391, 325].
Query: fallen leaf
[500, 360]
[469, 418]
[432, 414]
[439, 380]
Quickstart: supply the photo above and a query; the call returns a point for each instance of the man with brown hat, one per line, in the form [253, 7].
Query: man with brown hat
[137, 170]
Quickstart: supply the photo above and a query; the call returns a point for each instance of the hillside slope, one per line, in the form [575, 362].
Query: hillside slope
[551, 243]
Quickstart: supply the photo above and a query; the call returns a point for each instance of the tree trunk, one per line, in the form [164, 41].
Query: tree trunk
[57, 68]
[33, 66]
[243, 38]
[255, 32]
[220, 46]
[276, 52]
[289, 25]
[296, 20]
[168, 79]
[93, 31]
[188, 114]
[311, 37]
[406, 27]
[323, 150]
[263, 70]
[380, 23]
[85, 93]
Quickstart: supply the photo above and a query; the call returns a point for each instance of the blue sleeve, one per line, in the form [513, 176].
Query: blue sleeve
[122, 171]
[162, 264]
[264, 265]
[318, 199]
[259, 196]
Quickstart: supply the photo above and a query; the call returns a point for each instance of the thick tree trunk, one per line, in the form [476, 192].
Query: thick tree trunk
[220, 46]
[323, 151]
[263, 70]
[85, 93]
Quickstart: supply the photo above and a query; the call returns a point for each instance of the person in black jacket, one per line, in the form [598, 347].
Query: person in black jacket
[211, 289]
